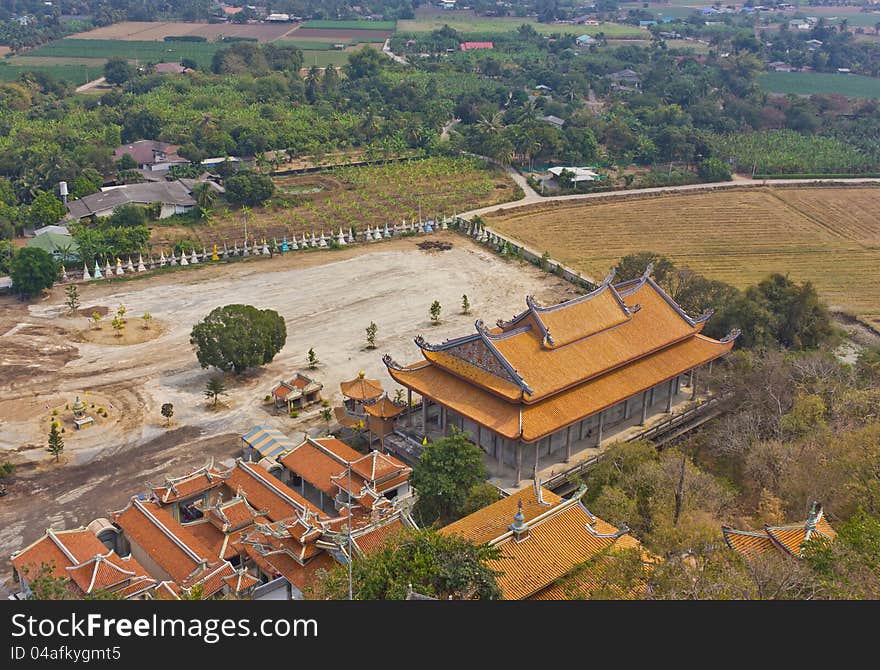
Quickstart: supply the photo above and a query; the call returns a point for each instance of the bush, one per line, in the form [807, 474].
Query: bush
[184, 38]
[248, 188]
[294, 414]
[714, 169]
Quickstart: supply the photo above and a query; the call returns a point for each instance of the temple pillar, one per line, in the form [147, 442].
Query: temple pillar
[691, 377]
[425, 415]
[549, 444]
[669, 396]
[710, 367]
[568, 444]
[601, 426]
[409, 408]
[537, 456]
[626, 409]
[677, 384]
[479, 436]
[694, 384]
[581, 429]
[500, 454]
[441, 418]
[519, 450]
[651, 398]
[644, 409]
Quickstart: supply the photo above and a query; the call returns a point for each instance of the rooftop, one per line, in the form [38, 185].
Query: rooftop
[789, 539]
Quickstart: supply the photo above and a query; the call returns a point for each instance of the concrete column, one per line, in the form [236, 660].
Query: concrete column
[322, 498]
[691, 377]
[694, 384]
[441, 419]
[651, 399]
[568, 444]
[601, 426]
[644, 408]
[501, 443]
[549, 444]
[425, 415]
[409, 408]
[581, 429]
[669, 396]
[479, 436]
[626, 409]
[710, 366]
[537, 455]
[677, 384]
[519, 450]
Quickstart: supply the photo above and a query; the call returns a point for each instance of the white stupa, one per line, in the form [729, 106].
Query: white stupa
[350, 236]
[246, 251]
[141, 267]
[162, 258]
[183, 260]
[64, 276]
[368, 235]
[322, 241]
[86, 275]
[119, 269]
[340, 239]
[225, 251]
[130, 266]
[265, 250]
[173, 258]
[193, 259]
[98, 274]
[293, 246]
[108, 271]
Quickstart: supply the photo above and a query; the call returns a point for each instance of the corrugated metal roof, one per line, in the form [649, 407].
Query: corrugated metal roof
[268, 442]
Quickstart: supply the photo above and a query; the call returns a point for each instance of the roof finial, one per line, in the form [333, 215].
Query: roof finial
[648, 270]
[519, 519]
[361, 374]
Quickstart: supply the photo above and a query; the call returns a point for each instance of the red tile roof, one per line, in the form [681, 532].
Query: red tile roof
[265, 492]
[188, 485]
[467, 46]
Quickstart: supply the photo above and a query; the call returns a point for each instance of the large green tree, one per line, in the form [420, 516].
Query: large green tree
[118, 71]
[447, 471]
[435, 565]
[237, 337]
[248, 188]
[32, 270]
[45, 210]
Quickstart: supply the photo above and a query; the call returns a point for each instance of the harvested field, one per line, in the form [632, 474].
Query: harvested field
[357, 197]
[158, 30]
[828, 236]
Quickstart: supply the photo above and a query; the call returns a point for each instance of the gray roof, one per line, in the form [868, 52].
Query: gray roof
[166, 192]
[555, 120]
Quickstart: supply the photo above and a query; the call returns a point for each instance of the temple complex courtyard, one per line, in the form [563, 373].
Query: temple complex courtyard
[327, 298]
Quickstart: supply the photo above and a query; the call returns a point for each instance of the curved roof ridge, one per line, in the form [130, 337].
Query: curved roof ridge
[692, 322]
[394, 365]
[422, 343]
[484, 335]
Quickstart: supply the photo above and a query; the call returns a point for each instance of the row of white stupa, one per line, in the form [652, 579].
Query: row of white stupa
[342, 239]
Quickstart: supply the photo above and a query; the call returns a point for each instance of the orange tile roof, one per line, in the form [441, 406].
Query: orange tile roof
[265, 492]
[789, 539]
[375, 467]
[317, 460]
[240, 581]
[211, 579]
[383, 408]
[361, 388]
[560, 537]
[565, 408]
[545, 351]
[188, 485]
[80, 556]
[376, 538]
[281, 391]
[489, 522]
[167, 590]
[283, 564]
[171, 545]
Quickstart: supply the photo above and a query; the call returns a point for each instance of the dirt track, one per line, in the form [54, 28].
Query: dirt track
[327, 299]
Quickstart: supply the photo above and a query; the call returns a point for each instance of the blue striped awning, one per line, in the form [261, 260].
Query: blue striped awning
[268, 442]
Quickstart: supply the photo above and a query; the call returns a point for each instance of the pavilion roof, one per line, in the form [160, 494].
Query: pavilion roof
[383, 408]
[791, 539]
[559, 535]
[186, 486]
[268, 493]
[361, 388]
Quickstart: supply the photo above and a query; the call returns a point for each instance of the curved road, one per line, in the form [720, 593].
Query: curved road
[531, 197]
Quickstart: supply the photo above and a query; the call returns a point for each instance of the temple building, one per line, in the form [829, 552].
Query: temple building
[543, 540]
[84, 562]
[789, 539]
[296, 393]
[552, 381]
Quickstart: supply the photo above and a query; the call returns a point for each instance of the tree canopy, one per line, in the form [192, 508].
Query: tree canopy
[237, 337]
[439, 566]
[32, 271]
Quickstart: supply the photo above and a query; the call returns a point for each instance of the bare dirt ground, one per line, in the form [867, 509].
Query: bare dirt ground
[327, 300]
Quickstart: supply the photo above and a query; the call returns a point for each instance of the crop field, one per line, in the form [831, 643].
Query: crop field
[468, 22]
[829, 236]
[340, 34]
[146, 31]
[357, 197]
[808, 83]
[157, 52]
[76, 74]
[387, 26]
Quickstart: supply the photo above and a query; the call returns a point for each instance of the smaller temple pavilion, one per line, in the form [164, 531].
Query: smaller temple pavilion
[356, 393]
[789, 539]
[555, 380]
[297, 393]
[381, 415]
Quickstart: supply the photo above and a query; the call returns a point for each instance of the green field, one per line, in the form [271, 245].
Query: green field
[350, 25]
[808, 83]
[324, 58]
[75, 74]
[310, 45]
[466, 22]
[156, 52]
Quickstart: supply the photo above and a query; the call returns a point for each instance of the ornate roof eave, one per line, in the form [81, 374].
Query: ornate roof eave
[731, 336]
[486, 336]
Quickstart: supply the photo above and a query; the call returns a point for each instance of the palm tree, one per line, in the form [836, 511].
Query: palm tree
[205, 195]
[491, 124]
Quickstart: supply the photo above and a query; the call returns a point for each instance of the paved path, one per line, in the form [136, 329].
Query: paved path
[90, 84]
[386, 49]
[531, 197]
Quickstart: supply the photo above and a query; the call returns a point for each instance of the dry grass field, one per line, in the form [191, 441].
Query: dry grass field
[158, 30]
[829, 236]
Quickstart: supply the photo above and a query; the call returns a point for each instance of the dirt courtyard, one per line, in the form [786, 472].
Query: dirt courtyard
[327, 300]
